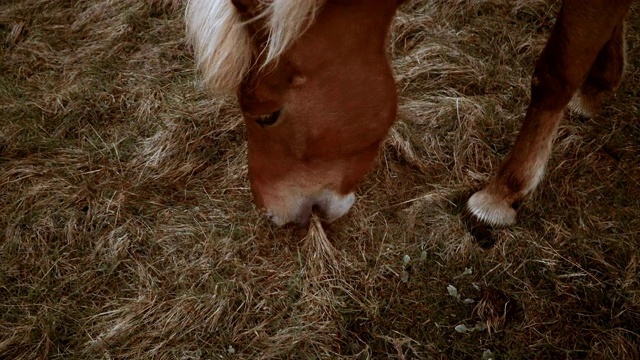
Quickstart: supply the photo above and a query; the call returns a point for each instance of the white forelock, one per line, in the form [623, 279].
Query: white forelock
[222, 42]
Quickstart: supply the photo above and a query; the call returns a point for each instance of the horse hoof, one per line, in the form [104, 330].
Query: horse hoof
[490, 209]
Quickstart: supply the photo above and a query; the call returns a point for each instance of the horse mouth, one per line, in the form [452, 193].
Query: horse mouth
[328, 205]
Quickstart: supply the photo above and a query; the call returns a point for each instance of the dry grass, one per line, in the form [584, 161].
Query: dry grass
[128, 230]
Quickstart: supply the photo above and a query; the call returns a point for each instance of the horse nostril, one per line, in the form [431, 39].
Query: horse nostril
[299, 217]
[269, 216]
[274, 219]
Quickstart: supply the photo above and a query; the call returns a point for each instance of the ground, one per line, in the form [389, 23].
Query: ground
[128, 230]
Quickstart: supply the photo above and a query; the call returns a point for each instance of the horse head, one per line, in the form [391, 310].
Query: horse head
[316, 90]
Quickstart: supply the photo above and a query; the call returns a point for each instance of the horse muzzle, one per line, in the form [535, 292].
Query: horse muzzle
[298, 208]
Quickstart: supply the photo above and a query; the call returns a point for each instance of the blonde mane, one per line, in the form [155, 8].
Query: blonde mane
[222, 43]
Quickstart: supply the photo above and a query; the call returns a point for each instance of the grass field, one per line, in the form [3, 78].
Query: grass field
[128, 230]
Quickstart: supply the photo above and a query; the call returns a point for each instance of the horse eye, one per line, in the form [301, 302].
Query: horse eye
[268, 120]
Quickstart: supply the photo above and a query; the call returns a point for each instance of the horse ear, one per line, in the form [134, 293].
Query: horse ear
[244, 6]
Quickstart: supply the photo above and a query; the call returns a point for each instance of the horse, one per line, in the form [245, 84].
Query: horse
[316, 90]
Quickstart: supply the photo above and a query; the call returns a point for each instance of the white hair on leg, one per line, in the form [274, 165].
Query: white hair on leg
[222, 42]
[580, 106]
[493, 204]
[491, 209]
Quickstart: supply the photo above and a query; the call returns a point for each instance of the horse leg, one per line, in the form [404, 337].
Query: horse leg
[580, 33]
[604, 77]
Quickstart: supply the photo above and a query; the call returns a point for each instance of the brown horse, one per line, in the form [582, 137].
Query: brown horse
[318, 96]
